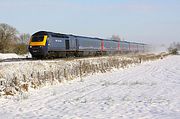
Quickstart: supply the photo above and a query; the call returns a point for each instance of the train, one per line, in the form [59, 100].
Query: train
[45, 44]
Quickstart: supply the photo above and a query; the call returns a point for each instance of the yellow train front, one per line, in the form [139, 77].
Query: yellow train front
[38, 45]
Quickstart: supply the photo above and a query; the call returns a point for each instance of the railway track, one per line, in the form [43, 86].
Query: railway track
[31, 59]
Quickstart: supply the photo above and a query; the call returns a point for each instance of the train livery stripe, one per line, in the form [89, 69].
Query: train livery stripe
[118, 45]
[102, 45]
[43, 43]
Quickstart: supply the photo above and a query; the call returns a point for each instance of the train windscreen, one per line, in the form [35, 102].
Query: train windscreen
[37, 38]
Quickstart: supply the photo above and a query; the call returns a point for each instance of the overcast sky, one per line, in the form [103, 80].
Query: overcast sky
[147, 21]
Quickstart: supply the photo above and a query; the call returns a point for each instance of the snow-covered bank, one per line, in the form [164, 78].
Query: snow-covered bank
[17, 77]
[149, 91]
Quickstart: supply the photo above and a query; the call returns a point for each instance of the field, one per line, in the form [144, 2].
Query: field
[147, 90]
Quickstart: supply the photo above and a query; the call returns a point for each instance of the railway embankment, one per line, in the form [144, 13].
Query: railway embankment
[17, 78]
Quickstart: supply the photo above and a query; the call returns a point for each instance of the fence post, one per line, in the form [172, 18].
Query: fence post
[38, 75]
[32, 75]
[24, 78]
[58, 74]
[52, 74]
[80, 70]
[65, 74]
[44, 75]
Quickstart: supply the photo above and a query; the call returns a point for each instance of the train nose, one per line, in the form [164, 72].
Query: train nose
[37, 50]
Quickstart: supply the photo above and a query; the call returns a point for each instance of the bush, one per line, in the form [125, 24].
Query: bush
[173, 51]
[20, 49]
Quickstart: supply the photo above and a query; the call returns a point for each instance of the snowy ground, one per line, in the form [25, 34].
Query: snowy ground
[148, 91]
[12, 55]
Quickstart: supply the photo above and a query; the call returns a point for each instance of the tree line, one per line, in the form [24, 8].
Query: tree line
[11, 41]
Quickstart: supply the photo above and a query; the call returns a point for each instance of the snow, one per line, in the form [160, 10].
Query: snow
[148, 91]
[9, 55]
[12, 55]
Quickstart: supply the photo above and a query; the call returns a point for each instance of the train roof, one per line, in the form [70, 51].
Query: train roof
[85, 37]
[50, 33]
[67, 36]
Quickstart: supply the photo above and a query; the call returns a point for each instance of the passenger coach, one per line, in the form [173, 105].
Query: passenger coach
[48, 44]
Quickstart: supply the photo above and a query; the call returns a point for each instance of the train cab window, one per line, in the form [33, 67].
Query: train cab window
[37, 38]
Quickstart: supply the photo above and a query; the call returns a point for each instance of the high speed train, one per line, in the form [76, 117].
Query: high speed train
[48, 44]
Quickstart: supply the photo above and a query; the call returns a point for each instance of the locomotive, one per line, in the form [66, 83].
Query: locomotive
[48, 44]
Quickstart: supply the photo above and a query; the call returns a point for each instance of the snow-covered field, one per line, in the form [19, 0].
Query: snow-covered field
[150, 90]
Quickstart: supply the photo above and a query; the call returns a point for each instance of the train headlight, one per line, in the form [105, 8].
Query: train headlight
[30, 46]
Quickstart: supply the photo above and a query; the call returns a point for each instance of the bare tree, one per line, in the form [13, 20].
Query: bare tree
[24, 38]
[174, 45]
[7, 36]
[178, 46]
[115, 37]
